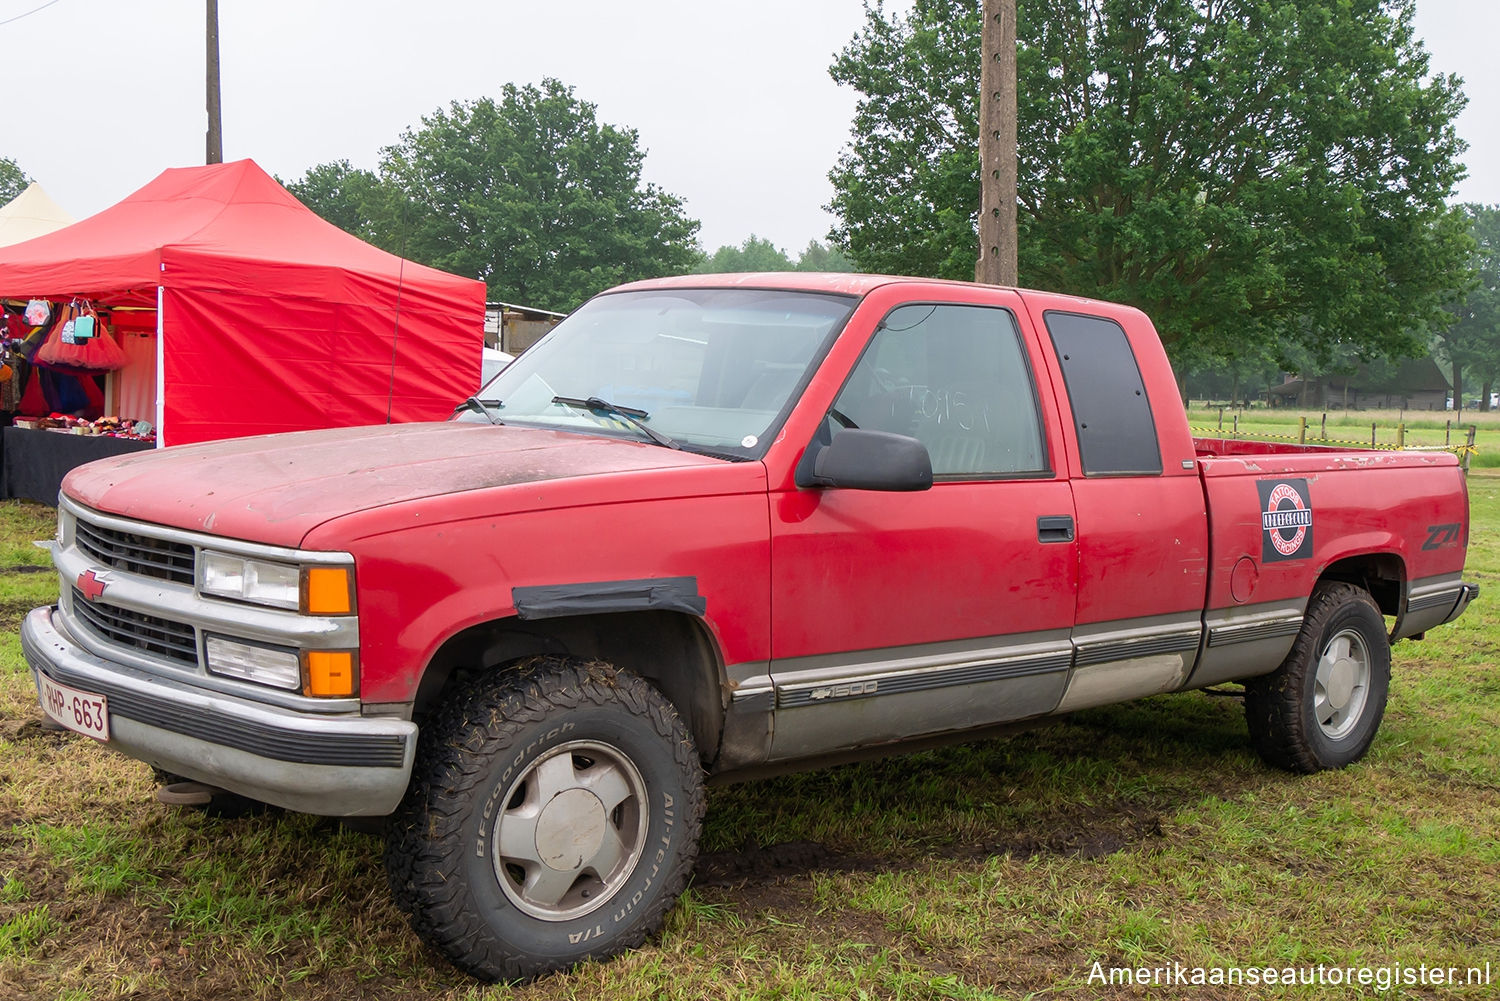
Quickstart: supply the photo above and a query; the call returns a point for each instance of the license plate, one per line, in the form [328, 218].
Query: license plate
[84, 712]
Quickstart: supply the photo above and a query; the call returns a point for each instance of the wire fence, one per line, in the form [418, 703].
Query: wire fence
[1310, 434]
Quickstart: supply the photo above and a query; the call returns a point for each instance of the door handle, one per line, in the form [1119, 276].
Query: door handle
[1054, 528]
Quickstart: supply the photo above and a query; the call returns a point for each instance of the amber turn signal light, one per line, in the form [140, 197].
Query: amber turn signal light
[331, 673]
[328, 590]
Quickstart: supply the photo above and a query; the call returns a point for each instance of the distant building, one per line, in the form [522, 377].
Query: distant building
[513, 329]
[1412, 384]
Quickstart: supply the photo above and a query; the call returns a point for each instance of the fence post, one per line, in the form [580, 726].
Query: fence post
[1236, 424]
[1448, 432]
[1473, 430]
[1372, 435]
[1323, 428]
[1221, 419]
[1401, 435]
[1302, 430]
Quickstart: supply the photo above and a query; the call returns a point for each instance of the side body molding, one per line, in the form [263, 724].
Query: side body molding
[666, 594]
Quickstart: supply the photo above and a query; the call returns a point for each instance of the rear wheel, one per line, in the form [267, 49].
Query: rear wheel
[553, 817]
[1321, 708]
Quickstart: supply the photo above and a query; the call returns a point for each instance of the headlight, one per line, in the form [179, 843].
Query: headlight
[264, 665]
[317, 590]
[260, 581]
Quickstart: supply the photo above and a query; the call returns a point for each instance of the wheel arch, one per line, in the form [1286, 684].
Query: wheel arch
[673, 651]
[1383, 575]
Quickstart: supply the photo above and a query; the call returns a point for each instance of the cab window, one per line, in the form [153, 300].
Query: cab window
[957, 379]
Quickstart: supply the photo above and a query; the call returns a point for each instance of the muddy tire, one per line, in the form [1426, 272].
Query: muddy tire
[553, 817]
[1321, 708]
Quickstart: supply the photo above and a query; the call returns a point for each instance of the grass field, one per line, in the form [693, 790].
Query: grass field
[1140, 835]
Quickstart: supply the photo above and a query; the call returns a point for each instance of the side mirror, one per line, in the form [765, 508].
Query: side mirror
[858, 459]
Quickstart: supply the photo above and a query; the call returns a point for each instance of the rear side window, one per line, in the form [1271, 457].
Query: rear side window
[1111, 412]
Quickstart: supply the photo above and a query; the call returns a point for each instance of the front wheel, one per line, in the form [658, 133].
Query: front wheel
[1321, 708]
[553, 817]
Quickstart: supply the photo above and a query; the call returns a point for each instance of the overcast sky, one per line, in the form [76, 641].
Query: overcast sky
[732, 101]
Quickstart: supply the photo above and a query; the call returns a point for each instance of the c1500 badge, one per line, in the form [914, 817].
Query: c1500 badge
[1286, 520]
[844, 691]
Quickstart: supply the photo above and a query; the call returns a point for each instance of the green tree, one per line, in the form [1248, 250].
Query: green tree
[13, 179]
[357, 201]
[1470, 345]
[1247, 171]
[817, 257]
[755, 254]
[536, 197]
[759, 254]
[531, 194]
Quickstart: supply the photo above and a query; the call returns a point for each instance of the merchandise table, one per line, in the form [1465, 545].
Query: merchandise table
[35, 462]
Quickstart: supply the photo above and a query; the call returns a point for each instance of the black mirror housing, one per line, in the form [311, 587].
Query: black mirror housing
[858, 459]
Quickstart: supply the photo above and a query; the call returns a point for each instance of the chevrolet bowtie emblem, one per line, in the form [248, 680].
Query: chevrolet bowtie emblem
[90, 586]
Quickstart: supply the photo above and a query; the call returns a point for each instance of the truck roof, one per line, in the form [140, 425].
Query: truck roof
[847, 284]
[802, 281]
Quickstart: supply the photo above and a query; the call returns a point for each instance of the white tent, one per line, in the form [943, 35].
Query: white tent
[31, 213]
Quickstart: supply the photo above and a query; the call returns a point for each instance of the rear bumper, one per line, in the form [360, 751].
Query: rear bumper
[1467, 593]
[1431, 602]
[334, 765]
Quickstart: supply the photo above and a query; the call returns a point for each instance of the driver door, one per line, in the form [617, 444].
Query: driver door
[902, 614]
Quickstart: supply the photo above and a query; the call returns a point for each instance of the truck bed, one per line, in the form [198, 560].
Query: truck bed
[1209, 447]
[1407, 508]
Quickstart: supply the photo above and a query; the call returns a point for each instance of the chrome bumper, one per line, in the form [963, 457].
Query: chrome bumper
[334, 765]
[1466, 594]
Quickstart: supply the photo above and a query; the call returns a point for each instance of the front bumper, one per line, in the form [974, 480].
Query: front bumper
[334, 765]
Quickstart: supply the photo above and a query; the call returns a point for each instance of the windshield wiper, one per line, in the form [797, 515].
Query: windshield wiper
[479, 406]
[633, 416]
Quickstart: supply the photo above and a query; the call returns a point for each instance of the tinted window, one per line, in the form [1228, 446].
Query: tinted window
[1116, 433]
[955, 378]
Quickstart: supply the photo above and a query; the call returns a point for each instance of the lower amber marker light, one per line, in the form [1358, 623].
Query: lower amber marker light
[332, 673]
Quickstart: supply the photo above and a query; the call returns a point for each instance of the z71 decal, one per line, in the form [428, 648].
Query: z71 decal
[1442, 536]
[1286, 520]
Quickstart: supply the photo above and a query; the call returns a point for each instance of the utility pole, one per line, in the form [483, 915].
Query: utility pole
[215, 121]
[997, 263]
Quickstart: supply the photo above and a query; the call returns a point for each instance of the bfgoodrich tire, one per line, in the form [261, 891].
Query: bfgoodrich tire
[1321, 708]
[553, 817]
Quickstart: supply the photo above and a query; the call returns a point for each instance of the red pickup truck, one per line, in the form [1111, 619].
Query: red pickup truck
[718, 526]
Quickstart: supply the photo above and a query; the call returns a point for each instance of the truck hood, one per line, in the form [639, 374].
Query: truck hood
[277, 488]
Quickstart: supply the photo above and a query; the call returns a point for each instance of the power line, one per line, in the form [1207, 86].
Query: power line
[34, 10]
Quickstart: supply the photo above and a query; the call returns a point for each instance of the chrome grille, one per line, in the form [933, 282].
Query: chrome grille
[175, 641]
[138, 554]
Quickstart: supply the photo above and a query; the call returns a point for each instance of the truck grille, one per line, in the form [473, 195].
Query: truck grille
[175, 641]
[138, 554]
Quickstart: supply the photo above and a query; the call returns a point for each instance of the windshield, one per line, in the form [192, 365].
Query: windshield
[713, 370]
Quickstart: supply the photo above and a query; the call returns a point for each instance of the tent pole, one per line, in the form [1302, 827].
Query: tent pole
[161, 355]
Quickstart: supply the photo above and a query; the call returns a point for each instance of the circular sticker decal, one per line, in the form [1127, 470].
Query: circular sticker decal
[749, 441]
[1286, 519]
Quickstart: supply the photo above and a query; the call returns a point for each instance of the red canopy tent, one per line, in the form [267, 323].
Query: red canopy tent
[265, 317]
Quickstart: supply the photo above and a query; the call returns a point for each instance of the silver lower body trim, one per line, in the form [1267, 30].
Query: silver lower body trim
[831, 703]
[330, 765]
[1131, 659]
[1245, 641]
